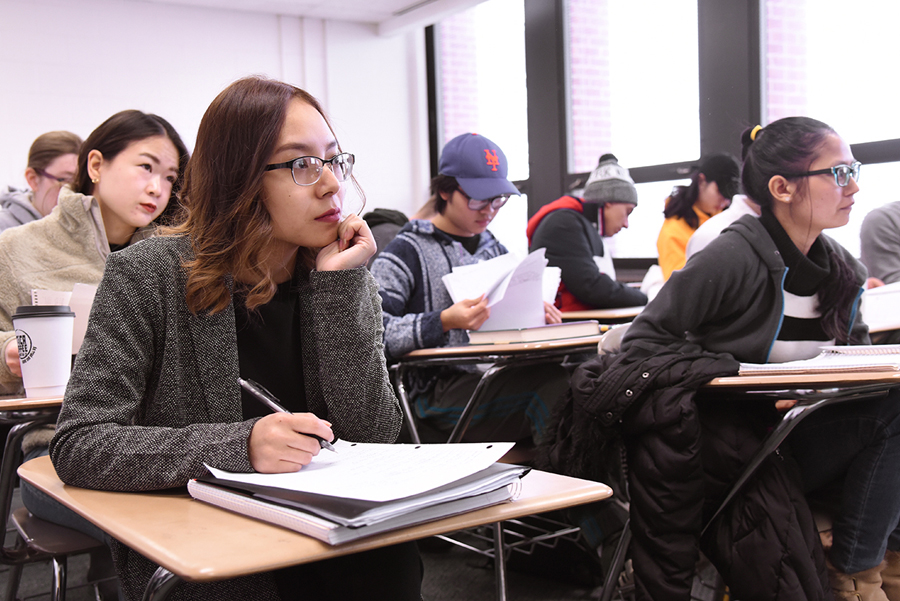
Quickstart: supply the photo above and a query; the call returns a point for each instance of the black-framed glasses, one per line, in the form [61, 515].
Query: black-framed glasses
[307, 170]
[59, 180]
[842, 173]
[479, 205]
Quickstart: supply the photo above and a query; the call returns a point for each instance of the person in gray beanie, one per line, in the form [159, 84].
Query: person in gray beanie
[571, 229]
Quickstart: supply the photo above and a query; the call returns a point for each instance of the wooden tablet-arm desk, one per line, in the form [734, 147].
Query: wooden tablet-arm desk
[193, 541]
[499, 356]
[810, 391]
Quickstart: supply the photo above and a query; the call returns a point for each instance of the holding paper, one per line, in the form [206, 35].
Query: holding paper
[514, 288]
[447, 276]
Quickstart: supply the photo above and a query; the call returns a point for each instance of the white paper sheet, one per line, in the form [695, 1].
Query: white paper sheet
[487, 277]
[515, 288]
[81, 302]
[522, 304]
[50, 297]
[552, 278]
[879, 307]
[381, 472]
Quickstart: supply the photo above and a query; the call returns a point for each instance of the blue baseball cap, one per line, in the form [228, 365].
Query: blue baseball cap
[478, 165]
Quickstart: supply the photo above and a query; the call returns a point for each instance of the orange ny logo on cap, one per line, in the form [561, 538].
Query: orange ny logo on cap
[491, 157]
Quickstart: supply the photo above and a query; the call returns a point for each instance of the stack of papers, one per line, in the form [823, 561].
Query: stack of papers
[366, 489]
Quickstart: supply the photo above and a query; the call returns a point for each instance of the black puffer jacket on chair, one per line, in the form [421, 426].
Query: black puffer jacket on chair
[681, 460]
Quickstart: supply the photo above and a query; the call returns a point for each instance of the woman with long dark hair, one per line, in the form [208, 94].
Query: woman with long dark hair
[713, 183]
[264, 279]
[776, 289]
[126, 183]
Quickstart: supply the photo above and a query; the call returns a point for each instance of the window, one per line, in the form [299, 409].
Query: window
[639, 240]
[877, 186]
[633, 90]
[633, 78]
[510, 223]
[633, 82]
[482, 90]
[482, 78]
[843, 71]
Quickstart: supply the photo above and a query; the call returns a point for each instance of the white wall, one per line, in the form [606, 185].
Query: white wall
[70, 65]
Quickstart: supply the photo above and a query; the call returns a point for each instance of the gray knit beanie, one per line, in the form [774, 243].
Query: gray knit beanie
[610, 182]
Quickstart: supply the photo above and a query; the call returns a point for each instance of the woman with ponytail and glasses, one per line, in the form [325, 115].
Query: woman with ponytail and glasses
[265, 279]
[775, 289]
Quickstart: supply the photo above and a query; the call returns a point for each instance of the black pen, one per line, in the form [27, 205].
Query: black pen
[269, 400]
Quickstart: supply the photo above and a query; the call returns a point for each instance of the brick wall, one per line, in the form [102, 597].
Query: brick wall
[589, 82]
[459, 88]
[785, 59]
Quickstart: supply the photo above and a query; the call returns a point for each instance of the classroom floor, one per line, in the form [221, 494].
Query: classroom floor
[455, 575]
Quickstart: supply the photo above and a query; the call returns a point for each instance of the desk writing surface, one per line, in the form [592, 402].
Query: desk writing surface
[807, 380]
[511, 348]
[201, 542]
[603, 315]
[25, 404]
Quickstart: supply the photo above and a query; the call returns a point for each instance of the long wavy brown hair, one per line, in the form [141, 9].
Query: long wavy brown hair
[225, 217]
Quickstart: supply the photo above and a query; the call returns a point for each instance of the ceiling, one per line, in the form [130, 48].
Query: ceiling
[390, 16]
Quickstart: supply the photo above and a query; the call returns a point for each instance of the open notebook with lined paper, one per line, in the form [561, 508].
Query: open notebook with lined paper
[834, 359]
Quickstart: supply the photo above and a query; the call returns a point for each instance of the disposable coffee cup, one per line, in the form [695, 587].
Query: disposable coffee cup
[44, 338]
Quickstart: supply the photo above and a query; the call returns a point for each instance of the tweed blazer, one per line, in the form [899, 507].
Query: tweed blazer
[153, 394]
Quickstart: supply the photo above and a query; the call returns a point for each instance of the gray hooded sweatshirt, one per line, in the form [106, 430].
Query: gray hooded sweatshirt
[16, 208]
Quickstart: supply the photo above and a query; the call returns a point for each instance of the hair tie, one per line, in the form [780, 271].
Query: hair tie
[754, 132]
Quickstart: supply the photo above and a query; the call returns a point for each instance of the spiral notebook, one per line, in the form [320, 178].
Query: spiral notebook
[833, 359]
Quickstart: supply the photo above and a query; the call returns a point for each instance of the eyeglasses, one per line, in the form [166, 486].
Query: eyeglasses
[842, 173]
[479, 205]
[306, 171]
[60, 180]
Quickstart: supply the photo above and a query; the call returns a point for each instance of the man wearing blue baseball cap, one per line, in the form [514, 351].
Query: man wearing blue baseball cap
[470, 188]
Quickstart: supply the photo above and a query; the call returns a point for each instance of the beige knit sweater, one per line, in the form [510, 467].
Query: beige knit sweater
[66, 247]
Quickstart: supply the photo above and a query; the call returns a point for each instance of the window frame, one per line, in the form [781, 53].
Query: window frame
[730, 51]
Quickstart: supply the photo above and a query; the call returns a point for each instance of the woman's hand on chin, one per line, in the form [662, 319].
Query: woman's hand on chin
[354, 246]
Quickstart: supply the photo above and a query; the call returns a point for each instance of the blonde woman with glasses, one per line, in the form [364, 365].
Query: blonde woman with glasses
[52, 163]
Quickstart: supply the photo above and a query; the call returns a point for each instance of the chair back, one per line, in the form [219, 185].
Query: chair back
[611, 340]
[37, 540]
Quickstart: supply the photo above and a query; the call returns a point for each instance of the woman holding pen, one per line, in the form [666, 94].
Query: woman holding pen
[263, 280]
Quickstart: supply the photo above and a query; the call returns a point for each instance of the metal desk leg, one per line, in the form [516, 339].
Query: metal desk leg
[618, 562]
[499, 561]
[161, 585]
[403, 397]
[459, 429]
[777, 436]
[59, 578]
